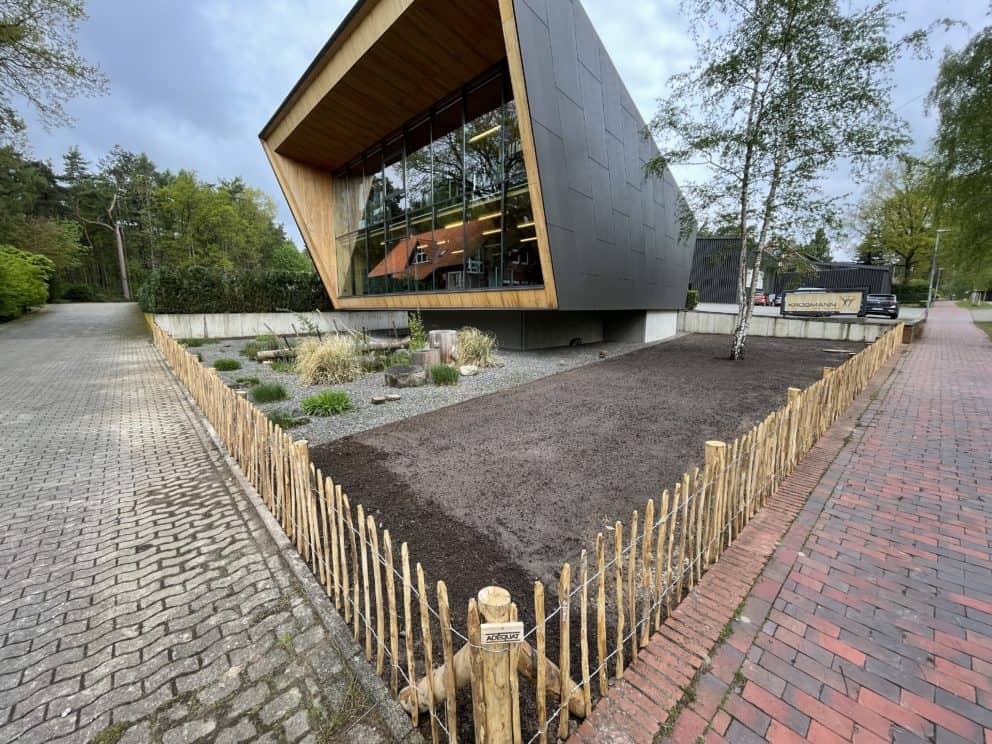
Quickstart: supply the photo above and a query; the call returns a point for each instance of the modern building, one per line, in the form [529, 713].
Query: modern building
[481, 161]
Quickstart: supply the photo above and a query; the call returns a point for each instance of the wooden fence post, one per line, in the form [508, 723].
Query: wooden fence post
[715, 460]
[498, 673]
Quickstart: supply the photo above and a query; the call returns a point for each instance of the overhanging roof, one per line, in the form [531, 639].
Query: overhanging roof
[389, 61]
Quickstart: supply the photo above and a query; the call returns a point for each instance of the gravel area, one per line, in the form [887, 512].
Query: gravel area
[518, 367]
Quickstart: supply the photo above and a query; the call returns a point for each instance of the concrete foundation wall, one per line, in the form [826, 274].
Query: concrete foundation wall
[778, 327]
[247, 325]
[660, 324]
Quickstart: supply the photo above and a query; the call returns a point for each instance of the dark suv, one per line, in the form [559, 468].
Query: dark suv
[882, 304]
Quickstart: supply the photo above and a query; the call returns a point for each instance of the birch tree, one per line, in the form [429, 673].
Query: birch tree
[782, 91]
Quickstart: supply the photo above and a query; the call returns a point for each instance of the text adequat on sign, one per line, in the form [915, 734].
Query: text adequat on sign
[493, 633]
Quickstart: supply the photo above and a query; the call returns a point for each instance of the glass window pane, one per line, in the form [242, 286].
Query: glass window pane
[448, 166]
[483, 140]
[521, 263]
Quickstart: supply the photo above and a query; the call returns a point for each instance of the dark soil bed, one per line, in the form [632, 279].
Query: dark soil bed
[504, 488]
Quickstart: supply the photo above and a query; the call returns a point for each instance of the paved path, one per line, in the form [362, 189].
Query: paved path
[880, 627]
[141, 597]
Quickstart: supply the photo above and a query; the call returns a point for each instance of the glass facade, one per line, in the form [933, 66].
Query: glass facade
[442, 206]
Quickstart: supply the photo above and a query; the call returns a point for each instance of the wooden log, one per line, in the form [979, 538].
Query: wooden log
[425, 630]
[332, 527]
[618, 572]
[540, 688]
[324, 537]
[380, 626]
[446, 342]
[514, 680]
[632, 586]
[564, 645]
[715, 461]
[444, 611]
[340, 502]
[601, 613]
[394, 643]
[411, 664]
[474, 628]
[355, 602]
[271, 354]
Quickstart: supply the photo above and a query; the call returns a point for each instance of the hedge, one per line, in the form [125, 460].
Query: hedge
[915, 290]
[205, 289]
[24, 281]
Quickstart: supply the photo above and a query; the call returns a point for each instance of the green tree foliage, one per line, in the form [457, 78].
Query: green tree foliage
[780, 92]
[896, 218]
[23, 281]
[39, 61]
[962, 97]
[818, 248]
[113, 224]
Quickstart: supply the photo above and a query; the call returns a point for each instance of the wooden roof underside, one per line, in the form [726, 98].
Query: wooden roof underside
[412, 55]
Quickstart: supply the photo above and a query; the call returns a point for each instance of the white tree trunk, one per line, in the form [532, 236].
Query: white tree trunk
[122, 261]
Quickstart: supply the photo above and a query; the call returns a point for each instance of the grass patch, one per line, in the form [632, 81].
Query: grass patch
[476, 347]
[192, 342]
[987, 327]
[112, 734]
[285, 418]
[284, 366]
[226, 365]
[442, 374]
[353, 704]
[327, 403]
[261, 343]
[329, 362]
[247, 381]
[969, 305]
[268, 392]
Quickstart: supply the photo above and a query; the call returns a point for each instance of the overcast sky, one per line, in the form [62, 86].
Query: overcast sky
[193, 81]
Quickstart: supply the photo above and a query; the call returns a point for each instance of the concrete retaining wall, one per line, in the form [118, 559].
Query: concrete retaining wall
[248, 325]
[779, 327]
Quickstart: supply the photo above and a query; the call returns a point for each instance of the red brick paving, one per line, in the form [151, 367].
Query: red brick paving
[872, 620]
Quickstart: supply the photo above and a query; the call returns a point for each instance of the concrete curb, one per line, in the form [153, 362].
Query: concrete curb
[392, 714]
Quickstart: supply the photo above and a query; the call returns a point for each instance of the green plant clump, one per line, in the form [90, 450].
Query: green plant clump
[476, 347]
[226, 365]
[327, 403]
[282, 365]
[247, 380]
[192, 342]
[268, 392]
[80, 293]
[691, 299]
[442, 374]
[418, 334]
[261, 343]
[284, 417]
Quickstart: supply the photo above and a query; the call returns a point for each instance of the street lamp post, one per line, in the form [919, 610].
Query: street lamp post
[933, 267]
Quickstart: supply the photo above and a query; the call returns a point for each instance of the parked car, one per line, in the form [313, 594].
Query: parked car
[760, 298]
[882, 304]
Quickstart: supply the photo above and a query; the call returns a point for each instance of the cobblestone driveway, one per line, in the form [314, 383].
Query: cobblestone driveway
[141, 598]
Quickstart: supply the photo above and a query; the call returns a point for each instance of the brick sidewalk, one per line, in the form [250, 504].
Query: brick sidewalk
[141, 597]
[872, 622]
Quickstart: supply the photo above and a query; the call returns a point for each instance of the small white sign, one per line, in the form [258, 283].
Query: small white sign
[493, 633]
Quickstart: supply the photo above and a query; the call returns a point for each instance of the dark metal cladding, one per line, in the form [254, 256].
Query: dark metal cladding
[715, 264]
[614, 233]
[838, 275]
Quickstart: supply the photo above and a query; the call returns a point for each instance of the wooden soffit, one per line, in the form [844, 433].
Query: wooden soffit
[390, 61]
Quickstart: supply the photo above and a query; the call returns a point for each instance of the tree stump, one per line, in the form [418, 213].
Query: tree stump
[446, 342]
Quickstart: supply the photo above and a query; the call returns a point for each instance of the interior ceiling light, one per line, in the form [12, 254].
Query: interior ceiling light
[458, 251]
[490, 216]
[454, 224]
[442, 242]
[529, 223]
[482, 135]
[527, 240]
[494, 231]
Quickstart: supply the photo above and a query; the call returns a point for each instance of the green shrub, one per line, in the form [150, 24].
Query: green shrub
[80, 293]
[284, 417]
[268, 392]
[191, 342]
[327, 403]
[418, 334]
[24, 281]
[331, 361]
[397, 357]
[442, 374]
[247, 380]
[476, 347]
[226, 365]
[209, 289]
[691, 299]
[283, 365]
[912, 291]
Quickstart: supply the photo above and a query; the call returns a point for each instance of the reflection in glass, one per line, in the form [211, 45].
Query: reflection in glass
[444, 206]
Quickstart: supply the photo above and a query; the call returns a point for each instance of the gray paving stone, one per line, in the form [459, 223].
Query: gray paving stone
[138, 587]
